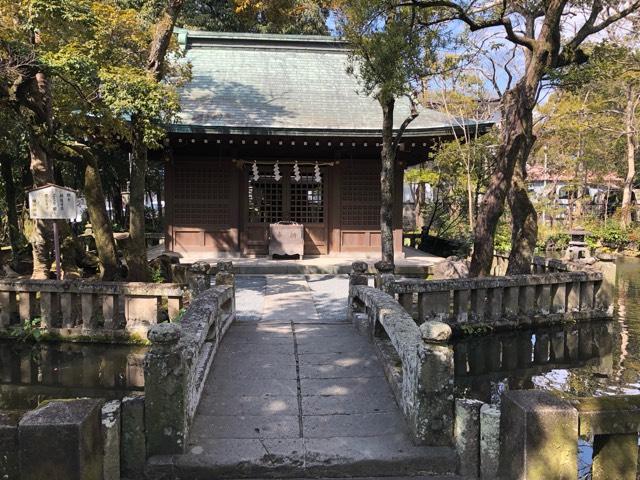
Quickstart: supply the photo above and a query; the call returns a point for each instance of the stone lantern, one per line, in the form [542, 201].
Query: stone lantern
[578, 247]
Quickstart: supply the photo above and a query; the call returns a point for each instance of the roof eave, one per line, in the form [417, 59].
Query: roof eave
[440, 131]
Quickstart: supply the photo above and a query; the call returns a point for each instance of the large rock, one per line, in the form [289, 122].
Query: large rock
[62, 439]
[434, 331]
[452, 267]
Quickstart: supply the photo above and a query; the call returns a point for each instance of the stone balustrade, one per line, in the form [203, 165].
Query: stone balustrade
[84, 308]
[418, 365]
[505, 301]
[178, 362]
[538, 265]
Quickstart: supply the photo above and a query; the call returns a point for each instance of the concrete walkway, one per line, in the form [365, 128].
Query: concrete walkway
[296, 392]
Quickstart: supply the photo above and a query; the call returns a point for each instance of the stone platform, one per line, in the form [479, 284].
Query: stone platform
[414, 263]
[296, 392]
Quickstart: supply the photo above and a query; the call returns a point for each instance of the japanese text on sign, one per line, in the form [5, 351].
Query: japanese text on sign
[52, 202]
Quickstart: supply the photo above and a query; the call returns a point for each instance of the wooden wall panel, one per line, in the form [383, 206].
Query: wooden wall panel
[359, 225]
[204, 205]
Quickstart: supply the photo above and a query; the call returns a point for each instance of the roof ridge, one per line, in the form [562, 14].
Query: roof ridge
[188, 37]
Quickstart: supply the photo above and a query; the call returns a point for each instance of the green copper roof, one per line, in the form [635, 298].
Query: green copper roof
[282, 84]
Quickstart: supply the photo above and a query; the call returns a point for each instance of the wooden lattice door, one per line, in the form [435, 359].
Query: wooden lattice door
[301, 201]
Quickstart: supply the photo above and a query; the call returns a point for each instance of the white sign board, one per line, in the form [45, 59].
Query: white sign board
[52, 202]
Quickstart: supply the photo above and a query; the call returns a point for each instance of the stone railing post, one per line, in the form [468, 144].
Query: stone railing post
[538, 435]
[433, 399]
[613, 422]
[198, 278]
[467, 436]
[384, 276]
[165, 378]
[62, 439]
[358, 276]
[605, 292]
[225, 274]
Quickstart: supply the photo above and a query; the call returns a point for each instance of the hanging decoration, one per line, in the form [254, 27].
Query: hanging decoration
[254, 171]
[276, 172]
[296, 172]
[316, 173]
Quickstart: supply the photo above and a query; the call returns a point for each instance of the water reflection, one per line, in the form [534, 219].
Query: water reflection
[32, 373]
[592, 358]
[532, 358]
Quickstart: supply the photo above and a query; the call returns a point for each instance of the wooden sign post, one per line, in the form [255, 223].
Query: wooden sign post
[52, 202]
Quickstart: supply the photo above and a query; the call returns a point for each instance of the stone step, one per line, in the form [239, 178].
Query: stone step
[422, 463]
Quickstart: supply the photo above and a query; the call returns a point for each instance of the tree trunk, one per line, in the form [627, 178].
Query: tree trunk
[136, 248]
[419, 206]
[524, 233]
[116, 203]
[136, 251]
[632, 146]
[517, 125]
[160, 211]
[162, 38]
[102, 231]
[387, 180]
[41, 237]
[15, 237]
[470, 198]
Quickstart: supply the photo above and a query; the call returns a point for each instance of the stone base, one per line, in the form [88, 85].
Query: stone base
[62, 439]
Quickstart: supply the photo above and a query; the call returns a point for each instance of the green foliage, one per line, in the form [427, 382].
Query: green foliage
[502, 240]
[391, 53]
[133, 93]
[156, 275]
[475, 330]
[422, 175]
[552, 238]
[557, 241]
[610, 235]
[30, 330]
[180, 315]
[305, 17]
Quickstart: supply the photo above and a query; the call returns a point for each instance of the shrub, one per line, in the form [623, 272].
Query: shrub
[557, 241]
[502, 242]
[612, 235]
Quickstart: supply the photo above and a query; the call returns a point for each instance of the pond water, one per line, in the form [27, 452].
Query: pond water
[31, 373]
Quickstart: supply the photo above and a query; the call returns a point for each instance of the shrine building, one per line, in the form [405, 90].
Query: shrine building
[272, 129]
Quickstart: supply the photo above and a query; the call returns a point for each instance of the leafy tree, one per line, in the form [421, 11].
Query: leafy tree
[391, 57]
[84, 74]
[611, 79]
[548, 43]
[147, 119]
[306, 17]
[13, 153]
[577, 140]
[463, 96]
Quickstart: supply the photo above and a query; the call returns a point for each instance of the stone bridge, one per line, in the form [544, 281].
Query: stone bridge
[330, 377]
[296, 391]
